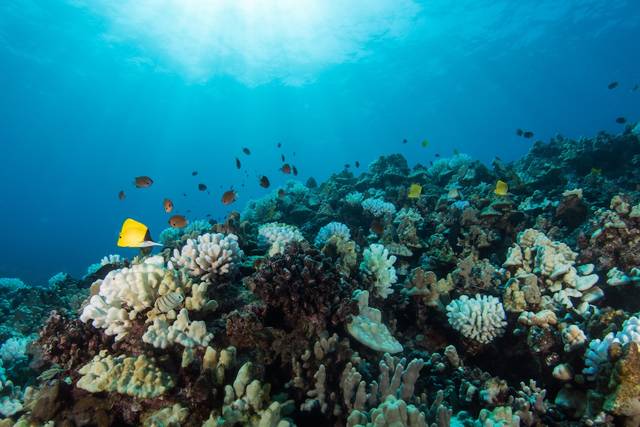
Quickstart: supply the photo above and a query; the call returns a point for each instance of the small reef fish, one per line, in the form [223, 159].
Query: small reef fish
[134, 234]
[238, 164]
[414, 191]
[194, 173]
[425, 143]
[347, 165]
[621, 120]
[519, 132]
[246, 151]
[456, 152]
[202, 187]
[279, 144]
[502, 188]
[357, 164]
[167, 204]
[528, 134]
[635, 88]
[612, 85]
[281, 193]
[178, 221]
[229, 197]
[295, 170]
[286, 169]
[142, 182]
[404, 141]
[437, 154]
[377, 227]
[121, 195]
[282, 157]
[264, 182]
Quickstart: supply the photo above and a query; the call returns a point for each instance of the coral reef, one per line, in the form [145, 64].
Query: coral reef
[456, 307]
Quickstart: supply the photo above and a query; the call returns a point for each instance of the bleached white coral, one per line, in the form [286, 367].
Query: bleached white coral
[597, 354]
[11, 283]
[136, 287]
[354, 198]
[57, 279]
[368, 329]
[378, 207]
[182, 331]
[378, 266]
[14, 350]
[481, 318]
[278, 236]
[332, 229]
[208, 256]
[108, 259]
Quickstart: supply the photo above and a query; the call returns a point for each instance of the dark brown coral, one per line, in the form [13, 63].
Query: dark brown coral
[304, 288]
[68, 342]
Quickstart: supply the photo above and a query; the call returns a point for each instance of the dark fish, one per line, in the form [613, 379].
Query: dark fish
[229, 197]
[238, 164]
[282, 157]
[621, 120]
[188, 210]
[357, 163]
[612, 85]
[246, 151]
[377, 227]
[347, 165]
[295, 170]
[437, 154]
[281, 193]
[519, 132]
[404, 141]
[264, 182]
[178, 221]
[635, 88]
[202, 187]
[121, 195]
[184, 194]
[286, 168]
[528, 134]
[142, 181]
[279, 144]
[194, 173]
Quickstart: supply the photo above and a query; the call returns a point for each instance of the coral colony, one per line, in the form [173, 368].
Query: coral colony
[351, 304]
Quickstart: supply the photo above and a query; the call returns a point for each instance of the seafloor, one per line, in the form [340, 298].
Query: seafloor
[350, 303]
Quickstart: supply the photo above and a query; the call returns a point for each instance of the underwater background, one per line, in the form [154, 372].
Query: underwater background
[290, 213]
[94, 93]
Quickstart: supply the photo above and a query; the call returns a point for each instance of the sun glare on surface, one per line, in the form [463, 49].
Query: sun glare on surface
[254, 41]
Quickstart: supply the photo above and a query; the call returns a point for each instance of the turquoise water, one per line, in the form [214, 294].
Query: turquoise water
[94, 93]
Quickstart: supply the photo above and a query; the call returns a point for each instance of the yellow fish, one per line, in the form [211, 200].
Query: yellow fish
[501, 188]
[425, 143]
[135, 234]
[414, 191]
[596, 171]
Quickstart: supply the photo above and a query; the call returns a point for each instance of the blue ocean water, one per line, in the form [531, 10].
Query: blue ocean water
[94, 93]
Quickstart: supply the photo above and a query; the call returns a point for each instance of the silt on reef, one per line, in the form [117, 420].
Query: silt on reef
[347, 303]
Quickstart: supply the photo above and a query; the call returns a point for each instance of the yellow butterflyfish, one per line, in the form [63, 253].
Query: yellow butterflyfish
[501, 188]
[414, 191]
[134, 234]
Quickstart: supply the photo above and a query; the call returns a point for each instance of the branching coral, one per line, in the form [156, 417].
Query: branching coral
[377, 266]
[333, 229]
[481, 318]
[278, 236]
[134, 376]
[208, 256]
